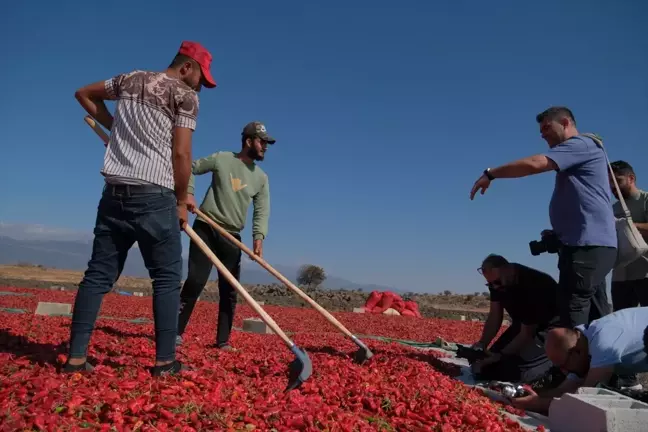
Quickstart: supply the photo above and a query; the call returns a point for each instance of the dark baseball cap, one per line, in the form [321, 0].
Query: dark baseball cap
[257, 129]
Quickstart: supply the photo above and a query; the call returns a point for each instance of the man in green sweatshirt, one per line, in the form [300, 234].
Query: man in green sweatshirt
[236, 181]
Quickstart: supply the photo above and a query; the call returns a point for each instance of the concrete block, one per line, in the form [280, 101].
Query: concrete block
[462, 317]
[138, 294]
[359, 310]
[51, 309]
[506, 322]
[12, 293]
[475, 320]
[597, 410]
[596, 391]
[255, 325]
[261, 303]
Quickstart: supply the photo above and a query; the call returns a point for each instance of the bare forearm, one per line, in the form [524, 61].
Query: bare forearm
[96, 108]
[181, 174]
[182, 162]
[492, 326]
[524, 167]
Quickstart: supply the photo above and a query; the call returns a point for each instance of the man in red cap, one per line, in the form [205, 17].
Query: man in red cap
[147, 166]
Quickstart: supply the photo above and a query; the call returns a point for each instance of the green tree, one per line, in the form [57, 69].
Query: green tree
[311, 275]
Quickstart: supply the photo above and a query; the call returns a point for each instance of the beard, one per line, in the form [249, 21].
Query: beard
[254, 155]
[624, 192]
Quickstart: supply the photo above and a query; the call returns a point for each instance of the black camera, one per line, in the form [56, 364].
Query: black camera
[470, 354]
[548, 243]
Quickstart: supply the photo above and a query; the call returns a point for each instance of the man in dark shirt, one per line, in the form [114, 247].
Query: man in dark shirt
[529, 297]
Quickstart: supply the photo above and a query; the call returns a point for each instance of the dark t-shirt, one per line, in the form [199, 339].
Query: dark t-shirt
[531, 298]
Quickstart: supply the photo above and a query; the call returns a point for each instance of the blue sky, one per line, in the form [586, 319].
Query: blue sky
[385, 115]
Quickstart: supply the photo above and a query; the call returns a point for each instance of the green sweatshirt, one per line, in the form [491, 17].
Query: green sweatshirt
[234, 185]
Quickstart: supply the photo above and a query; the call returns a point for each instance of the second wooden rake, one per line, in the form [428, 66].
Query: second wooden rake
[363, 354]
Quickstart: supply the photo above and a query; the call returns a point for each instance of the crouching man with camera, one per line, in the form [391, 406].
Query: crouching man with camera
[529, 297]
[584, 229]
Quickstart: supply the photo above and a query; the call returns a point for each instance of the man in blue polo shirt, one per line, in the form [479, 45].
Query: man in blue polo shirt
[580, 213]
[616, 344]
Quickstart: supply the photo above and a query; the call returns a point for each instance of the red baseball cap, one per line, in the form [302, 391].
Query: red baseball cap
[203, 57]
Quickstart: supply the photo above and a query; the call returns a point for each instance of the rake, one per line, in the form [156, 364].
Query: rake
[301, 368]
[363, 354]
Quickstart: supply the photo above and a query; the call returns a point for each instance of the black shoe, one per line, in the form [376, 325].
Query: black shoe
[83, 367]
[625, 382]
[226, 347]
[172, 368]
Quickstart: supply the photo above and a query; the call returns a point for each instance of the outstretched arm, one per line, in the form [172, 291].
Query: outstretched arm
[524, 167]
[540, 404]
[520, 168]
[199, 167]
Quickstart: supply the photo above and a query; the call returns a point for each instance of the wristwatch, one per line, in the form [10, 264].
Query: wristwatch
[487, 173]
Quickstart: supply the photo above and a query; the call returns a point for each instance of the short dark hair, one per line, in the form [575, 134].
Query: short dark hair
[555, 113]
[622, 168]
[494, 261]
[180, 59]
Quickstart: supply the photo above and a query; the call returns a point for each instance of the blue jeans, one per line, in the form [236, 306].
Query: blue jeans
[128, 214]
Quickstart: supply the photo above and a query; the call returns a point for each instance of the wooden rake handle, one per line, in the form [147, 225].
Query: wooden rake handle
[275, 273]
[95, 127]
[232, 280]
[201, 244]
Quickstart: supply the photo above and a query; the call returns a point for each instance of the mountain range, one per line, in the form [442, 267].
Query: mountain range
[71, 250]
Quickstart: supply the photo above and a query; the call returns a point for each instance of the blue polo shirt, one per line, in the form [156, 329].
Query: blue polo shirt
[619, 340]
[581, 206]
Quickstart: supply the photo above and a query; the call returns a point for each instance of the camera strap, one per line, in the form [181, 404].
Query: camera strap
[599, 142]
[630, 243]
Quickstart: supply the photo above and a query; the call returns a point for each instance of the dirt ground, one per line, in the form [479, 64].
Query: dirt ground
[430, 305]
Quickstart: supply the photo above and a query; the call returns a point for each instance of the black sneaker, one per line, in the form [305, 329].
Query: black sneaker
[172, 368]
[625, 382]
[83, 367]
[227, 347]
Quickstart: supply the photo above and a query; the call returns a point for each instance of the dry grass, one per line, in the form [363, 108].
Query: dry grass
[40, 273]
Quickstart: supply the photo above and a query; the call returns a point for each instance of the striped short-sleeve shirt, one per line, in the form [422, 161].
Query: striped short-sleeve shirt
[149, 106]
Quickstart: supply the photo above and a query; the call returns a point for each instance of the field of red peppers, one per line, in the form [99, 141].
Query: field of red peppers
[400, 389]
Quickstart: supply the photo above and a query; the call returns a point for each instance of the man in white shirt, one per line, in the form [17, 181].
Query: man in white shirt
[594, 353]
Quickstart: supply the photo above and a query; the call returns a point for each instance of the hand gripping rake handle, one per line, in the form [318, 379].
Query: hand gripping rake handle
[366, 353]
[230, 278]
[301, 368]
